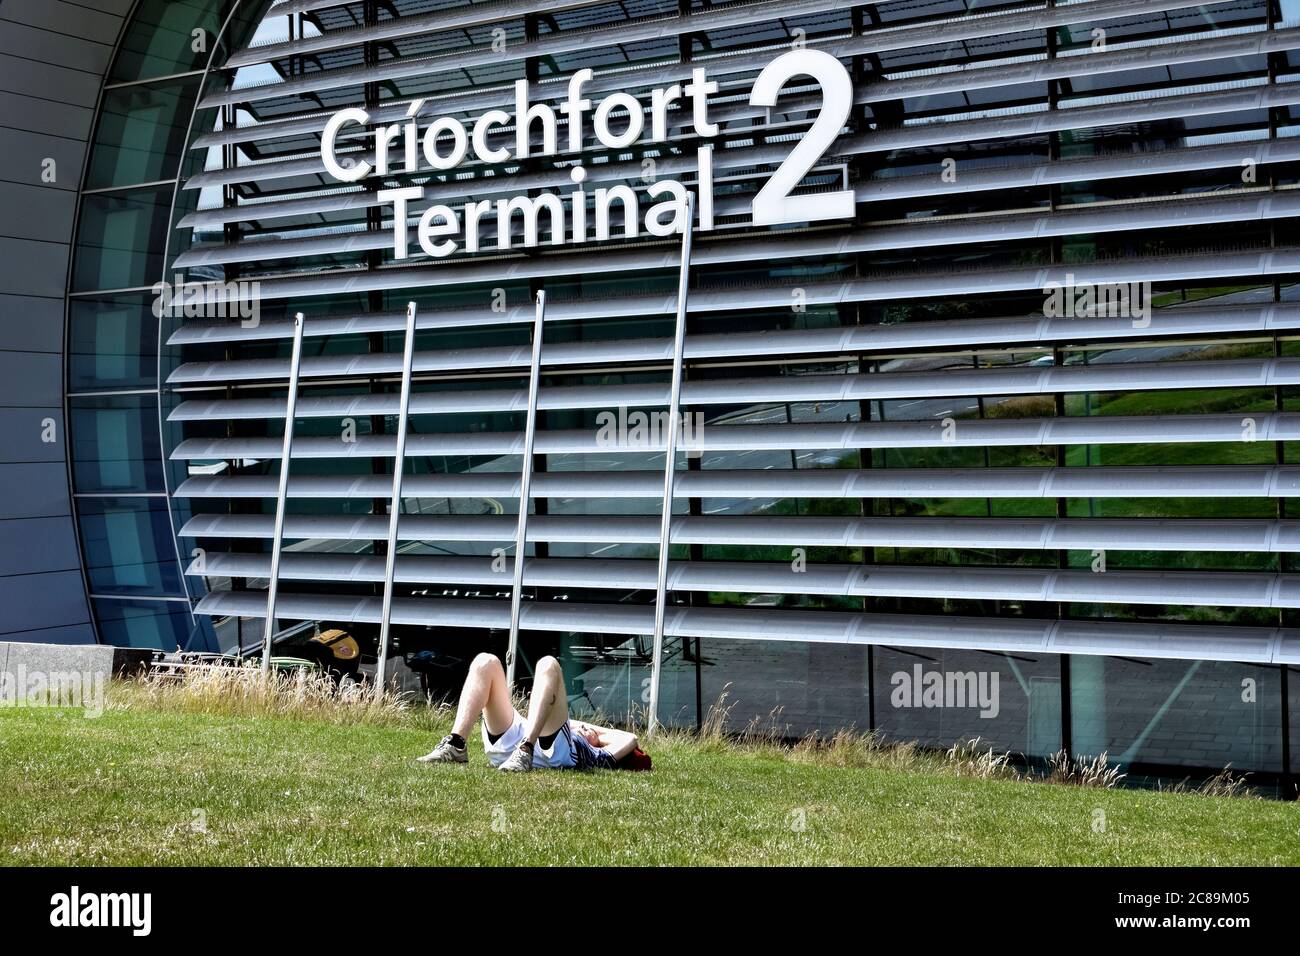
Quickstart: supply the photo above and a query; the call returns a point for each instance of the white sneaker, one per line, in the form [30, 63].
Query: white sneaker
[521, 761]
[445, 752]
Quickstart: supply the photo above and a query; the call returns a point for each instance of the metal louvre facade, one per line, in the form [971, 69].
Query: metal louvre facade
[895, 456]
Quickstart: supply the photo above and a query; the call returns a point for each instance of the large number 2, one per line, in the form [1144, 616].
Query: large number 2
[774, 204]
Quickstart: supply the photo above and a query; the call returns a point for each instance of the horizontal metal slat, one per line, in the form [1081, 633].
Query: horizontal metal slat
[998, 432]
[1152, 107]
[1169, 321]
[948, 382]
[1190, 588]
[284, 7]
[1192, 481]
[1098, 167]
[1033, 534]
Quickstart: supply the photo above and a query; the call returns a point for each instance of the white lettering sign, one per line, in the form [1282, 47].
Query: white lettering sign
[617, 122]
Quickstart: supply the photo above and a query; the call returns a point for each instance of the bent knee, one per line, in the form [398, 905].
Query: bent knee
[485, 661]
[550, 666]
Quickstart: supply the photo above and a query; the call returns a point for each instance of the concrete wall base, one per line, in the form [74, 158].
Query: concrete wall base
[19, 662]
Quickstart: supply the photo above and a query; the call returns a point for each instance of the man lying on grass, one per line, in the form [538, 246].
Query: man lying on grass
[546, 738]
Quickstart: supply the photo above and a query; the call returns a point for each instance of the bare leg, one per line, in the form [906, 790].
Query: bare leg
[485, 693]
[548, 708]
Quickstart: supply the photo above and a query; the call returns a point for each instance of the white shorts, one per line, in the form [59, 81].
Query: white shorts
[559, 757]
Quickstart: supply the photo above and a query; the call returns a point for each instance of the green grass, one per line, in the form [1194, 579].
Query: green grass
[126, 788]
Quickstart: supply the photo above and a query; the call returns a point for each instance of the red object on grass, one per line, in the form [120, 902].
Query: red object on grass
[638, 759]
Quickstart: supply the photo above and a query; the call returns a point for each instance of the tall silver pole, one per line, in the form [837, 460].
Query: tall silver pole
[395, 505]
[282, 492]
[670, 465]
[525, 482]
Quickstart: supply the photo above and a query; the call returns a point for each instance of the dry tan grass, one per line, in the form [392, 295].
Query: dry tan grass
[1225, 783]
[1082, 771]
[766, 730]
[713, 726]
[301, 694]
[967, 758]
[847, 748]
[712, 735]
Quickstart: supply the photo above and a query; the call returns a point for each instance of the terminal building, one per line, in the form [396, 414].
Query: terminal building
[1003, 449]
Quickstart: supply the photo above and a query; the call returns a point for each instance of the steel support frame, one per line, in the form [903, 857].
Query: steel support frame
[670, 468]
[395, 502]
[282, 493]
[525, 493]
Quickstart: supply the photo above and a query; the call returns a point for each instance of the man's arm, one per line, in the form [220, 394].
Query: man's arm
[617, 743]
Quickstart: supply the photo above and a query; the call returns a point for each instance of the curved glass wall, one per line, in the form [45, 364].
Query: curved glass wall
[125, 518]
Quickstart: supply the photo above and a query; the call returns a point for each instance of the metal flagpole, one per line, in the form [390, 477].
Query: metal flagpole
[395, 506]
[670, 464]
[282, 491]
[525, 482]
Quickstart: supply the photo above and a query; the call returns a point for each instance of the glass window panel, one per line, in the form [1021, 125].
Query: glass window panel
[1011, 702]
[115, 444]
[788, 687]
[161, 40]
[164, 625]
[609, 675]
[128, 547]
[112, 343]
[1195, 713]
[141, 133]
[120, 239]
[1293, 705]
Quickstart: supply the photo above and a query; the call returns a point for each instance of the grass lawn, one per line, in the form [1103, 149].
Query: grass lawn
[139, 786]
